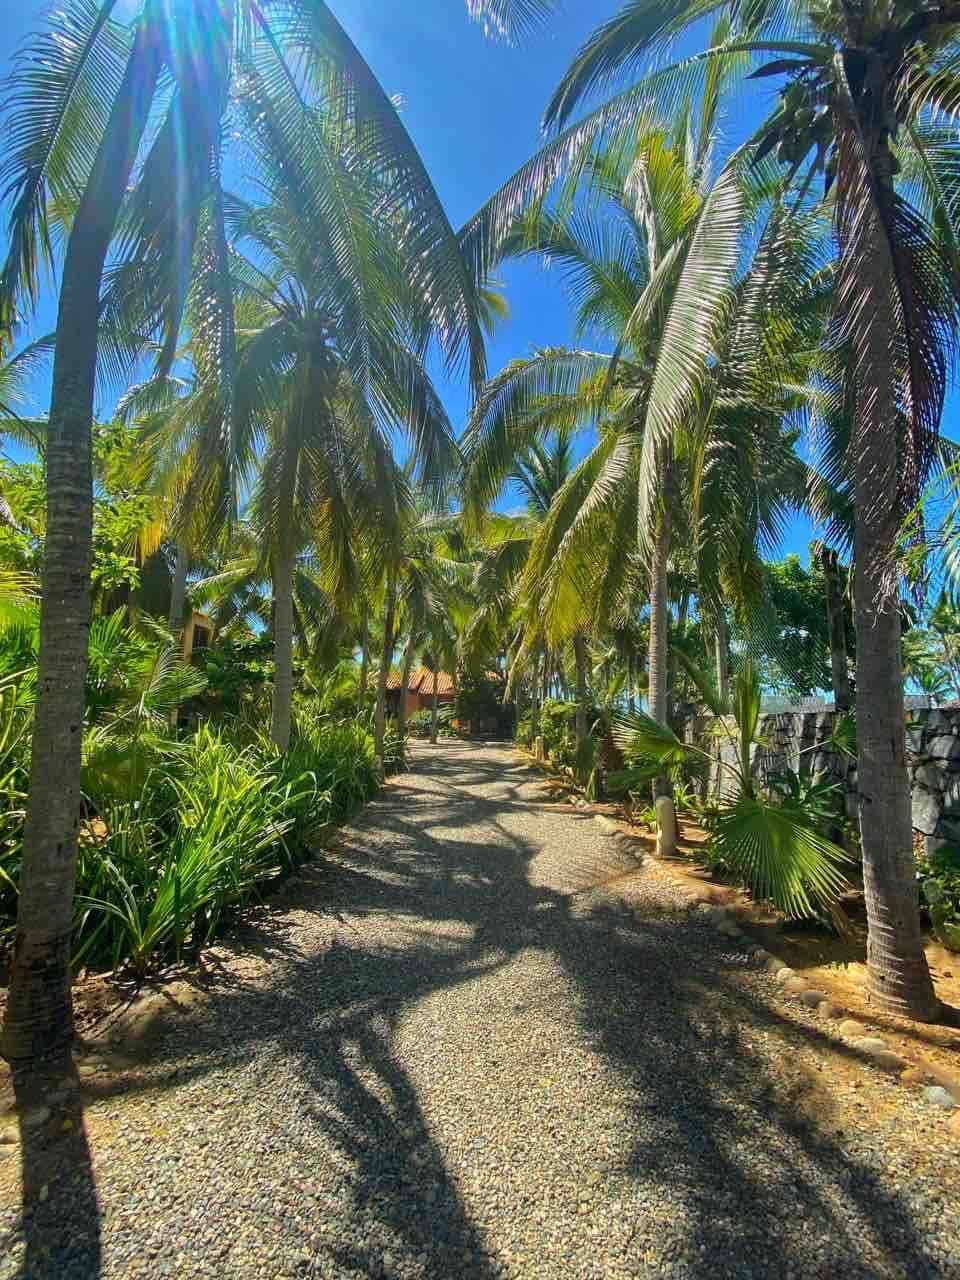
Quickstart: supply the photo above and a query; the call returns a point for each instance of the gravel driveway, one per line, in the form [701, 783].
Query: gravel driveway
[456, 1049]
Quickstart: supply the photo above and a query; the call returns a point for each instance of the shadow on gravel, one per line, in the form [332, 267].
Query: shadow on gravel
[55, 1164]
[726, 1178]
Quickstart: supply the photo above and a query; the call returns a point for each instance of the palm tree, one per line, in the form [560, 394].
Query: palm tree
[658, 275]
[81, 105]
[865, 90]
[421, 577]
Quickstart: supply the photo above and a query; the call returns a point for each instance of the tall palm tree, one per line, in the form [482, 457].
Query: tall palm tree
[84, 115]
[657, 276]
[867, 94]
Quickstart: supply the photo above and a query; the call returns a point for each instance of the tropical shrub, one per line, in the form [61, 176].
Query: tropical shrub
[479, 700]
[211, 825]
[775, 847]
[238, 669]
[523, 733]
[939, 876]
[558, 728]
[420, 724]
[178, 834]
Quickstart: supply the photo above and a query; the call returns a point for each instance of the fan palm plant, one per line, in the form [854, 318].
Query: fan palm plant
[776, 848]
[106, 120]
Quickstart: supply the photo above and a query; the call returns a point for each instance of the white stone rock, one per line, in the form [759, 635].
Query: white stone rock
[937, 1096]
[870, 1044]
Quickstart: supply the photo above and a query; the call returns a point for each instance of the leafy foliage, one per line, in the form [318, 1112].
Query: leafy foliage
[939, 876]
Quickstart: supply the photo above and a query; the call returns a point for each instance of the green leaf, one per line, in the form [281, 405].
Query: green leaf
[777, 851]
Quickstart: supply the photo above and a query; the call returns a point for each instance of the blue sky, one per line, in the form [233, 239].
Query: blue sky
[473, 108]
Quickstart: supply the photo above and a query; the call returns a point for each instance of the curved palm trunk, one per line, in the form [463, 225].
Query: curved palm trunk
[840, 672]
[404, 683]
[435, 709]
[380, 714]
[657, 696]
[39, 1018]
[580, 659]
[282, 649]
[898, 976]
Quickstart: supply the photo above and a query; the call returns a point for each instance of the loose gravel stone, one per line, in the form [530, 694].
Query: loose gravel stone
[870, 1044]
[476, 1041]
[812, 998]
[937, 1096]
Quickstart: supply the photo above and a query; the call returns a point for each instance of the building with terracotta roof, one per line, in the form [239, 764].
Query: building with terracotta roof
[419, 691]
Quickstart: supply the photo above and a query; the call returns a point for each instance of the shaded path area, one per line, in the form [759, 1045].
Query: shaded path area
[455, 1049]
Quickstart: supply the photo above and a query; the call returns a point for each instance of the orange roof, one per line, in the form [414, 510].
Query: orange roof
[421, 681]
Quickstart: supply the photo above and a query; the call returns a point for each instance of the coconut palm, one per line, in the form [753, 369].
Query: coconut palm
[868, 91]
[657, 274]
[87, 97]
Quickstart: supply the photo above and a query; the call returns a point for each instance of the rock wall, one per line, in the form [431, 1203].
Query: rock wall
[793, 739]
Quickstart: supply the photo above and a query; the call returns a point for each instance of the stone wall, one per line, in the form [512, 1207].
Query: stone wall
[793, 738]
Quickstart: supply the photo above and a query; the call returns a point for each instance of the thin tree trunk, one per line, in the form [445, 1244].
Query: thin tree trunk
[364, 655]
[580, 658]
[721, 646]
[842, 698]
[535, 704]
[657, 693]
[898, 976]
[407, 665]
[39, 1017]
[178, 590]
[380, 715]
[435, 709]
[282, 649]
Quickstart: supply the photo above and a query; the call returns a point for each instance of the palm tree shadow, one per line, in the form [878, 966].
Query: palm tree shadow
[706, 1130]
[55, 1163]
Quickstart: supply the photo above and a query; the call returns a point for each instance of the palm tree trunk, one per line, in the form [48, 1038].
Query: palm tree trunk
[178, 589]
[580, 658]
[380, 715]
[282, 649]
[364, 655]
[721, 646]
[435, 709]
[407, 665]
[898, 976]
[535, 703]
[657, 695]
[39, 1016]
[842, 699]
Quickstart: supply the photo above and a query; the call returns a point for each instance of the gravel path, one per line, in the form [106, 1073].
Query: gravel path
[457, 1050]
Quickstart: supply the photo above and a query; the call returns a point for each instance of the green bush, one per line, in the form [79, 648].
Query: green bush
[420, 724]
[180, 835]
[523, 734]
[479, 700]
[939, 876]
[211, 826]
